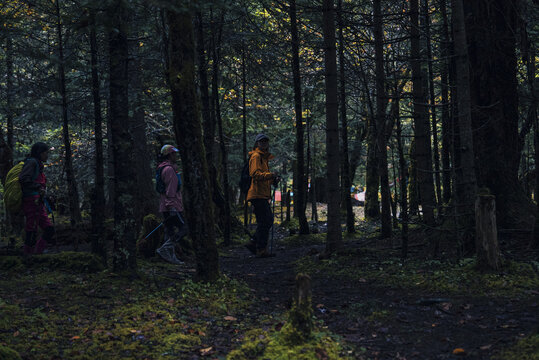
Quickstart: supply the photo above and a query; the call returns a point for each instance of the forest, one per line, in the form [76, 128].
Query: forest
[269, 179]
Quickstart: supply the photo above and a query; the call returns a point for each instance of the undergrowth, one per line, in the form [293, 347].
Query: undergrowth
[516, 278]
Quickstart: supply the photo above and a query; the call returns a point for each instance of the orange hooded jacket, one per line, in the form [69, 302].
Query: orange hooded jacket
[262, 178]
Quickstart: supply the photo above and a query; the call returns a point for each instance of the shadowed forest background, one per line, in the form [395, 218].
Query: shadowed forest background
[405, 133]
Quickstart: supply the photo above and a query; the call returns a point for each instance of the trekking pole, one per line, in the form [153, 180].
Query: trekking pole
[158, 226]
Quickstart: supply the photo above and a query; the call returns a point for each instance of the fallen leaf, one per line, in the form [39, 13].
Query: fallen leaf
[75, 337]
[459, 351]
[201, 333]
[230, 318]
[319, 306]
[206, 351]
[334, 311]
[362, 280]
[486, 347]
[16, 333]
[266, 299]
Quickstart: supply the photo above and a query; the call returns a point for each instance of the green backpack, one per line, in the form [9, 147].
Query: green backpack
[13, 190]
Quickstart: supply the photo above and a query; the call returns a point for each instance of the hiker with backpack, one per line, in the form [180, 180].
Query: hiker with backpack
[168, 184]
[33, 186]
[259, 194]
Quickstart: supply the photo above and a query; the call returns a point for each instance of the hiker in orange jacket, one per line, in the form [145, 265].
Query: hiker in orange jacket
[259, 194]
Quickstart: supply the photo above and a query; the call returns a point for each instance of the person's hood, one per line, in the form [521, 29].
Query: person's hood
[167, 163]
[265, 154]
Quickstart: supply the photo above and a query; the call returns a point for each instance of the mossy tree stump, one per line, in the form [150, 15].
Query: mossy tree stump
[300, 319]
[486, 233]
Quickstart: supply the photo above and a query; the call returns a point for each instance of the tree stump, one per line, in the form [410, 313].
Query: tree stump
[486, 233]
[300, 316]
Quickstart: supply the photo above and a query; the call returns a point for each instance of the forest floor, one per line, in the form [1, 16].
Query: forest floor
[368, 304]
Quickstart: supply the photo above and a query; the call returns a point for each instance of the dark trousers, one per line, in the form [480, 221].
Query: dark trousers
[264, 221]
[173, 221]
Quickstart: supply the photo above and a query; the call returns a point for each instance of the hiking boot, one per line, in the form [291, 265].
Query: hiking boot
[251, 246]
[168, 255]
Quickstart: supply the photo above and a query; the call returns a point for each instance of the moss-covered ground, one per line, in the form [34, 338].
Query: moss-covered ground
[67, 306]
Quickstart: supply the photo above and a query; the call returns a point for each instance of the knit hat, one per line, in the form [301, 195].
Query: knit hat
[167, 149]
[260, 137]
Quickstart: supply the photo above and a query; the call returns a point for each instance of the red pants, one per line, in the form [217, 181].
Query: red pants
[36, 216]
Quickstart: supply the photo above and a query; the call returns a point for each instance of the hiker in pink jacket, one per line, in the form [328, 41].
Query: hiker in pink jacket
[170, 203]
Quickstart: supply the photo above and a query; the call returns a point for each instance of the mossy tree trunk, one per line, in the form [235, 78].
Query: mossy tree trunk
[334, 235]
[122, 143]
[188, 130]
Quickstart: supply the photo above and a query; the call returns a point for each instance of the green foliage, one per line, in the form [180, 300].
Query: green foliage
[44, 314]
[8, 354]
[432, 275]
[525, 349]
[305, 240]
[261, 344]
[64, 261]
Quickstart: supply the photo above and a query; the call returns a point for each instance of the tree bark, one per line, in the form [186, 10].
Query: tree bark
[434, 118]
[486, 233]
[9, 90]
[421, 122]
[73, 193]
[244, 118]
[466, 181]
[345, 166]
[122, 143]
[334, 236]
[187, 127]
[300, 189]
[404, 193]
[446, 126]
[491, 34]
[227, 222]
[98, 213]
[381, 102]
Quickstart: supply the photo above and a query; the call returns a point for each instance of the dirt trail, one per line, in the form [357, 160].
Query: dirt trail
[402, 324]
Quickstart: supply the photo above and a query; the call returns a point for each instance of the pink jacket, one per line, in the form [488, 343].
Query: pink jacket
[171, 198]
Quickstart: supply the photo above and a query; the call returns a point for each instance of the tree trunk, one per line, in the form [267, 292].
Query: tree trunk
[334, 236]
[434, 118]
[491, 31]
[404, 193]
[244, 118]
[98, 213]
[486, 233]
[413, 186]
[421, 122]
[224, 156]
[300, 191]
[188, 132]
[345, 166]
[446, 126]
[9, 90]
[73, 193]
[381, 102]
[122, 143]
[465, 182]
